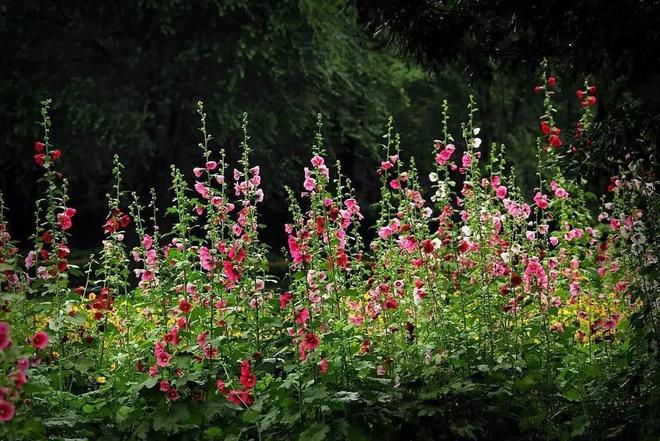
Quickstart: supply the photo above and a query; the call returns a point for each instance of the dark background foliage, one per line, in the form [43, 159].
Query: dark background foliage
[125, 77]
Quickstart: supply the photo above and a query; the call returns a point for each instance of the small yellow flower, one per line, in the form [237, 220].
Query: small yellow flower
[92, 296]
[100, 380]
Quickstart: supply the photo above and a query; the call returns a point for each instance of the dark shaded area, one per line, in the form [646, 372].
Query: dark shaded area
[617, 44]
[125, 76]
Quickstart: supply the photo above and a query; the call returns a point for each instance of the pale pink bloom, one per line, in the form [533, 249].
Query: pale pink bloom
[554, 241]
[29, 260]
[309, 184]
[501, 192]
[202, 189]
[317, 161]
[197, 171]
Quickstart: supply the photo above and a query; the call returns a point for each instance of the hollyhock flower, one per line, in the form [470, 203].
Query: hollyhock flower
[185, 306]
[7, 410]
[394, 183]
[39, 146]
[285, 298]
[29, 259]
[56, 154]
[173, 394]
[560, 193]
[545, 128]
[164, 385]
[211, 165]
[5, 339]
[466, 160]
[555, 141]
[40, 340]
[309, 184]
[302, 316]
[408, 244]
[220, 386]
[554, 241]
[230, 271]
[207, 261]
[323, 366]
[317, 161]
[501, 192]
[202, 189]
[248, 380]
[163, 359]
[240, 397]
[541, 200]
[310, 342]
[64, 221]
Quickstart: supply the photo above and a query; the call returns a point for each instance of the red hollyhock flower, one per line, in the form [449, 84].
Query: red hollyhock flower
[39, 158]
[552, 81]
[538, 89]
[164, 385]
[173, 394]
[323, 366]
[220, 386]
[580, 94]
[248, 381]
[592, 90]
[545, 128]
[40, 340]
[185, 306]
[39, 146]
[56, 154]
[555, 141]
[310, 342]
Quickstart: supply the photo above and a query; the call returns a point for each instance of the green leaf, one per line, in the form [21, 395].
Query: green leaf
[315, 432]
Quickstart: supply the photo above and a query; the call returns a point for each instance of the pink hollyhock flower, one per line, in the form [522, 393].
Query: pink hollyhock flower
[147, 242]
[560, 193]
[302, 316]
[163, 359]
[211, 165]
[554, 241]
[501, 192]
[408, 243]
[394, 183]
[323, 366]
[285, 298]
[164, 385]
[5, 339]
[466, 160]
[197, 171]
[309, 184]
[7, 410]
[541, 200]
[30, 258]
[40, 340]
[202, 189]
[64, 221]
[207, 261]
[317, 161]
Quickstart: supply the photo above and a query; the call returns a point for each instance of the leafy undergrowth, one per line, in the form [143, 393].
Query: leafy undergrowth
[473, 314]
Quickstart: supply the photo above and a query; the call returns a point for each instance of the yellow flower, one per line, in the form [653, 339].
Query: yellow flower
[92, 296]
[100, 380]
